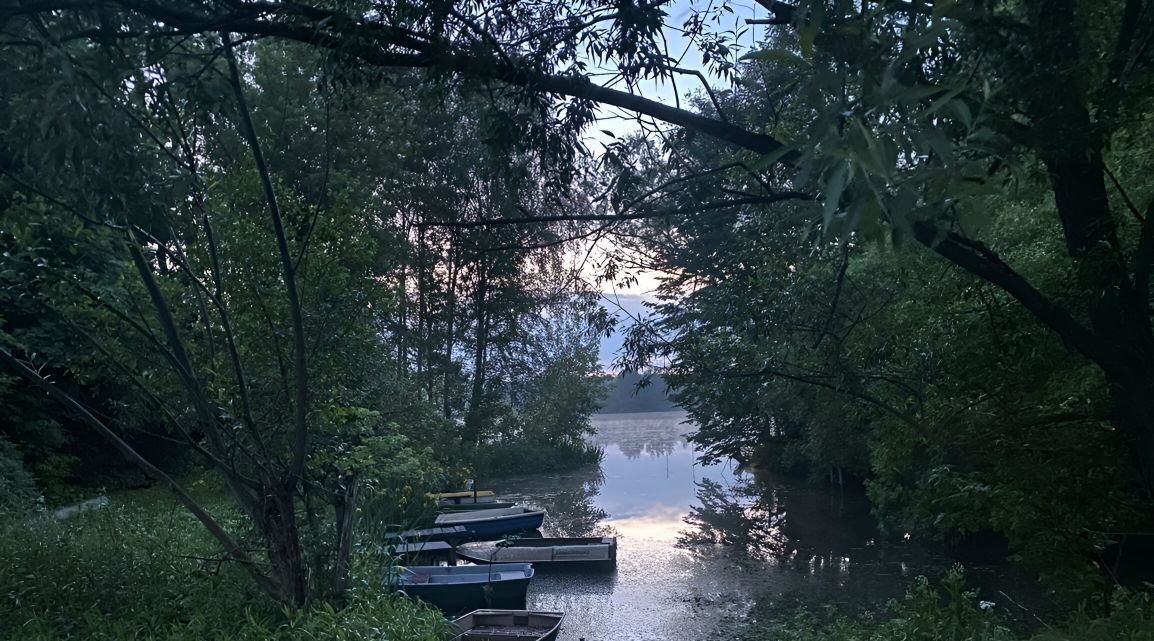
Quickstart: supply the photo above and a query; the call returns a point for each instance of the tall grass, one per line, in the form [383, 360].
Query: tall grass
[144, 570]
[947, 612]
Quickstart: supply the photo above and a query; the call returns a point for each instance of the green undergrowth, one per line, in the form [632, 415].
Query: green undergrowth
[945, 611]
[144, 570]
[508, 458]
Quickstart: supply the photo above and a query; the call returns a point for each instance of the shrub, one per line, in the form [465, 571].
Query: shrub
[144, 570]
[18, 493]
[948, 612]
[506, 458]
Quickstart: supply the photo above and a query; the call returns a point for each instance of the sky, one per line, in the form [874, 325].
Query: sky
[621, 123]
[628, 303]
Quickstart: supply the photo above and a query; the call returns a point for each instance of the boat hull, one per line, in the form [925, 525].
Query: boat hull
[508, 625]
[502, 586]
[494, 523]
[545, 553]
[468, 496]
[509, 526]
[469, 507]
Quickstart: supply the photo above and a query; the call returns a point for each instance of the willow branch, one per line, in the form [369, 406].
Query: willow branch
[288, 272]
[231, 547]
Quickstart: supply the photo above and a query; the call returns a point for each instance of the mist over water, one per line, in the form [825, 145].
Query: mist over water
[703, 548]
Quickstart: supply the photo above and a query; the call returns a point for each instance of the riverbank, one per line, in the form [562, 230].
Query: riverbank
[947, 610]
[710, 552]
[142, 569]
[703, 555]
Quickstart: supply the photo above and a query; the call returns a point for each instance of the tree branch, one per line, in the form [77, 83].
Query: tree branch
[872, 400]
[376, 44]
[288, 271]
[1144, 254]
[529, 218]
[231, 547]
[981, 261]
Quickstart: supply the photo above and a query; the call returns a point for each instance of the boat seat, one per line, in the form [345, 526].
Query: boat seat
[590, 552]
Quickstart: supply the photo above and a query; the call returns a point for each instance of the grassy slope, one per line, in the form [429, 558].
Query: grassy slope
[136, 571]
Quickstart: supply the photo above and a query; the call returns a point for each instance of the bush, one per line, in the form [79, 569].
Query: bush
[1131, 618]
[948, 612]
[507, 458]
[144, 570]
[18, 494]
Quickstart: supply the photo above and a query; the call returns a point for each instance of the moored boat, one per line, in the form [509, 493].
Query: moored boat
[499, 522]
[465, 587]
[468, 497]
[554, 552]
[508, 625]
[448, 533]
[421, 552]
[469, 507]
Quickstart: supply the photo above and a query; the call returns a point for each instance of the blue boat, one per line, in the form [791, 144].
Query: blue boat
[482, 523]
[465, 587]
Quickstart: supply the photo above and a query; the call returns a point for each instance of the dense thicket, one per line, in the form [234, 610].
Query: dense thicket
[912, 245]
[949, 305]
[210, 259]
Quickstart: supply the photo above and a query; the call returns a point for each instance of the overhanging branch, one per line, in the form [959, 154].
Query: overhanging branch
[530, 219]
[978, 259]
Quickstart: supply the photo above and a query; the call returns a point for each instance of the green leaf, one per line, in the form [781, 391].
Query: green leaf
[835, 182]
[806, 35]
[942, 102]
[775, 55]
[773, 157]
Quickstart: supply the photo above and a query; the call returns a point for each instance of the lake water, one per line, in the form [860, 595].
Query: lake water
[702, 549]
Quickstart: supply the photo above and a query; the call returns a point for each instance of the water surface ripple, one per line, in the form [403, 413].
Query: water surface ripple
[700, 546]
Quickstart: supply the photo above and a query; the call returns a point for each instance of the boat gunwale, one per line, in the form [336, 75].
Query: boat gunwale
[460, 495]
[461, 518]
[549, 633]
[552, 541]
[483, 552]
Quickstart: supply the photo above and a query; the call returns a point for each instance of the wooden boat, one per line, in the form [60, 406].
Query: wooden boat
[467, 507]
[449, 533]
[544, 552]
[463, 498]
[480, 523]
[465, 587]
[421, 552]
[508, 625]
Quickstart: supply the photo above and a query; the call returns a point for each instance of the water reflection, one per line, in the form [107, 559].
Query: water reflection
[573, 511]
[702, 548]
[653, 434]
[752, 528]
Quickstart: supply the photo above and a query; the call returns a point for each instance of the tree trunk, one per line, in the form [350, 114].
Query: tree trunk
[402, 321]
[282, 535]
[1132, 406]
[476, 399]
[1070, 143]
[424, 376]
[346, 508]
[450, 337]
[1119, 314]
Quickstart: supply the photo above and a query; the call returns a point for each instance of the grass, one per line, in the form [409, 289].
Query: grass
[508, 458]
[947, 612]
[141, 570]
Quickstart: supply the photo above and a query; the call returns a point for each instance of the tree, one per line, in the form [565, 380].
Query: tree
[241, 353]
[997, 80]
[910, 120]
